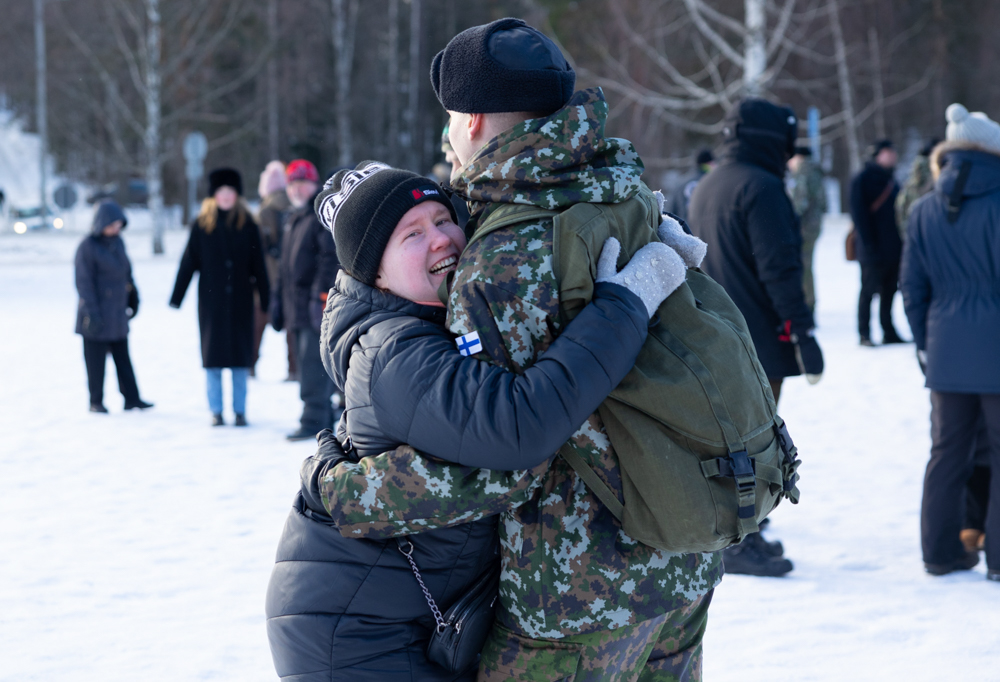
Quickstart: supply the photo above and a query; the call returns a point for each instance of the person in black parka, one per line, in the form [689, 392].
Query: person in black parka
[873, 202]
[306, 272]
[225, 248]
[951, 292]
[346, 606]
[742, 211]
[108, 300]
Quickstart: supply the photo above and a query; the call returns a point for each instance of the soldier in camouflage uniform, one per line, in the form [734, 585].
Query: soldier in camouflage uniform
[809, 200]
[577, 596]
[920, 182]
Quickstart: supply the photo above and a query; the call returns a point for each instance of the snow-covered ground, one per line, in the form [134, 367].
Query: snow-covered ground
[137, 546]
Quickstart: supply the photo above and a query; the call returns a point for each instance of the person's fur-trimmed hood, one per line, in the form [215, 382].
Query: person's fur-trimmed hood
[955, 145]
[983, 178]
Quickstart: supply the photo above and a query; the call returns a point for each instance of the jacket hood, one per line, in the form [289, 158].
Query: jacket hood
[555, 161]
[107, 213]
[984, 176]
[353, 310]
[760, 133]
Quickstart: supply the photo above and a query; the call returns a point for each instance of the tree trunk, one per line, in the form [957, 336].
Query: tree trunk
[755, 51]
[41, 106]
[844, 80]
[877, 91]
[344, 24]
[393, 78]
[154, 182]
[273, 150]
[415, 73]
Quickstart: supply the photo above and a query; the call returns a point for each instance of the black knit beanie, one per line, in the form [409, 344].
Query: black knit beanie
[362, 207]
[225, 177]
[758, 118]
[502, 66]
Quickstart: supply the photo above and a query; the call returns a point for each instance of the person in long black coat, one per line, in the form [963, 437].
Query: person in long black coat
[225, 248]
[108, 300]
[742, 211]
[951, 292]
[873, 201]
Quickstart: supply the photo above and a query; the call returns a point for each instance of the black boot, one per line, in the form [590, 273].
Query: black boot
[138, 404]
[217, 420]
[773, 548]
[963, 563]
[241, 420]
[747, 558]
[99, 408]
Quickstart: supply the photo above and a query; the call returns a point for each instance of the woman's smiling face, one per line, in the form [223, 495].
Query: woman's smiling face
[423, 249]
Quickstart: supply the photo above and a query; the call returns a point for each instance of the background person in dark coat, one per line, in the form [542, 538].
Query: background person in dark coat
[108, 299]
[741, 210]
[873, 202]
[307, 270]
[680, 198]
[270, 217]
[225, 248]
[951, 291]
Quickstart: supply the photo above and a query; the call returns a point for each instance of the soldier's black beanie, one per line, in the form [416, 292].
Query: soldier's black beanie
[225, 177]
[502, 66]
[363, 205]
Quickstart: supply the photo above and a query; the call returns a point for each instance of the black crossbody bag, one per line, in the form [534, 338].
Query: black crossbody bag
[461, 631]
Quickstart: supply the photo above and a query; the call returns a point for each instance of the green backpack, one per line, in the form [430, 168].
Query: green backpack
[704, 457]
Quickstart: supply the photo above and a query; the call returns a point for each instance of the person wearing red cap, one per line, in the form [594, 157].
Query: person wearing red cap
[307, 270]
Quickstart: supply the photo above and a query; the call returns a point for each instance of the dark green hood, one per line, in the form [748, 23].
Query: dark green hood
[556, 161]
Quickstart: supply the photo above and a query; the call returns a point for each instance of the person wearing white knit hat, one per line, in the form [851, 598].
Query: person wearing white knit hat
[950, 278]
[975, 128]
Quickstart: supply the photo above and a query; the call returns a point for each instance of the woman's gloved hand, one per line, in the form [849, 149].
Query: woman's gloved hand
[672, 233]
[328, 455]
[654, 272]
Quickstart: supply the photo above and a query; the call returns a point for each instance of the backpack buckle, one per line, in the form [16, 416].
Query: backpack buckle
[743, 471]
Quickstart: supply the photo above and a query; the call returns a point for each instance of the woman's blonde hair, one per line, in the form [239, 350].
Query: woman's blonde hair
[209, 213]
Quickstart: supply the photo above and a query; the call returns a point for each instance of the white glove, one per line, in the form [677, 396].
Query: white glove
[654, 272]
[670, 232]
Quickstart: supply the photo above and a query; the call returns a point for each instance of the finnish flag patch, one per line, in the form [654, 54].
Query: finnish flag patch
[469, 344]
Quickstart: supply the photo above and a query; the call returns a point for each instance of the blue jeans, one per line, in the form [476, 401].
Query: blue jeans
[214, 376]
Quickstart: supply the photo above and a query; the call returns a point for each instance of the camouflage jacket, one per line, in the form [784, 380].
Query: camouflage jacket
[567, 566]
[809, 198]
[920, 182]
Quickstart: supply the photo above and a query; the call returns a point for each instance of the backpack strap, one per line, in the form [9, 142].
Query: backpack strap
[593, 481]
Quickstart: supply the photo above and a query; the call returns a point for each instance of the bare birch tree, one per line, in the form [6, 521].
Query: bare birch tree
[345, 22]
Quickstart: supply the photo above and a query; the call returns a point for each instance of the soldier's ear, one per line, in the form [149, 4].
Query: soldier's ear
[475, 125]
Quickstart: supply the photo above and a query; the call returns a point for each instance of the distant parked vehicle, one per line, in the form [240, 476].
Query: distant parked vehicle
[30, 219]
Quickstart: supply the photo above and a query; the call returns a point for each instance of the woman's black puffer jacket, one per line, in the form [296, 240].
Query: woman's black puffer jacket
[350, 609]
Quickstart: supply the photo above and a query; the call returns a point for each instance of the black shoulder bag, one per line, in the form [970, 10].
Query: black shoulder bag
[461, 632]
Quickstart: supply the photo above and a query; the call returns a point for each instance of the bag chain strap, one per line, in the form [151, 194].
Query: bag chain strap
[441, 624]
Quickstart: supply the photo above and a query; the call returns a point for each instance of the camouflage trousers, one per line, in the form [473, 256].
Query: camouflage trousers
[663, 649]
[808, 285]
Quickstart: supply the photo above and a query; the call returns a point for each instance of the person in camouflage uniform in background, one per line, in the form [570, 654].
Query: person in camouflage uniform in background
[919, 183]
[578, 597]
[809, 199]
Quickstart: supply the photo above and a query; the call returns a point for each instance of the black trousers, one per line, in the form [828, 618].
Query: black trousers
[95, 355]
[315, 385]
[978, 494]
[882, 280]
[954, 421]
